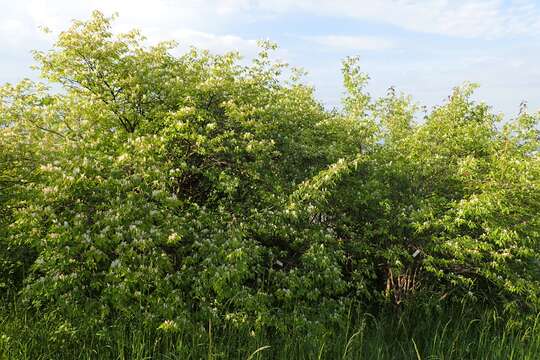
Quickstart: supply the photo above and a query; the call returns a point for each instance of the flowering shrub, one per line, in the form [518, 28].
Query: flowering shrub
[182, 190]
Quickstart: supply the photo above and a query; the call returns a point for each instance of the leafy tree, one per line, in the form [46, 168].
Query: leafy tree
[187, 189]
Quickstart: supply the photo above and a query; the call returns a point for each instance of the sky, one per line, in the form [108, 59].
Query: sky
[423, 48]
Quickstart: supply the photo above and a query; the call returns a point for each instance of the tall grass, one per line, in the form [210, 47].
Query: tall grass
[458, 333]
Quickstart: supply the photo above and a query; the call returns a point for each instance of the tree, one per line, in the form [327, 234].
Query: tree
[192, 188]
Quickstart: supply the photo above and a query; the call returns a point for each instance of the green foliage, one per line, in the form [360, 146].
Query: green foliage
[180, 190]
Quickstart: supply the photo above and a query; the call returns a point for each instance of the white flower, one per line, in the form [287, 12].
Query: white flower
[49, 190]
[173, 238]
[168, 326]
[123, 157]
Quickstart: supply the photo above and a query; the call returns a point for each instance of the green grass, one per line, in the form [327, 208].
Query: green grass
[454, 334]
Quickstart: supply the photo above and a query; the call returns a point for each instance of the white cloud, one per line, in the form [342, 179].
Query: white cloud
[11, 31]
[426, 69]
[472, 18]
[190, 22]
[215, 43]
[459, 18]
[353, 43]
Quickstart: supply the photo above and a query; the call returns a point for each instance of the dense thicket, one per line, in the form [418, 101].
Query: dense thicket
[183, 189]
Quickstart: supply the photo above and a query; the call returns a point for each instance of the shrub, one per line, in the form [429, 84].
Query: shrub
[188, 189]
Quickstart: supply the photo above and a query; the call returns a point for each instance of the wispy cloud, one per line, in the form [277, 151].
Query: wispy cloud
[190, 22]
[471, 18]
[385, 32]
[352, 43]
[216, 43]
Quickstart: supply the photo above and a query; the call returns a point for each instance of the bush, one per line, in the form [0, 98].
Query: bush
[189, 189]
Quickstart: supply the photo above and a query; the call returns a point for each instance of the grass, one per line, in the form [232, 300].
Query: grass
[459, 333]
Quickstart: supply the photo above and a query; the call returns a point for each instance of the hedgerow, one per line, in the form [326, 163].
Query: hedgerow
[178, 190]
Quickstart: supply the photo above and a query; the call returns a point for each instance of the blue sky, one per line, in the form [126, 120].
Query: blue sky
[422, 48]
